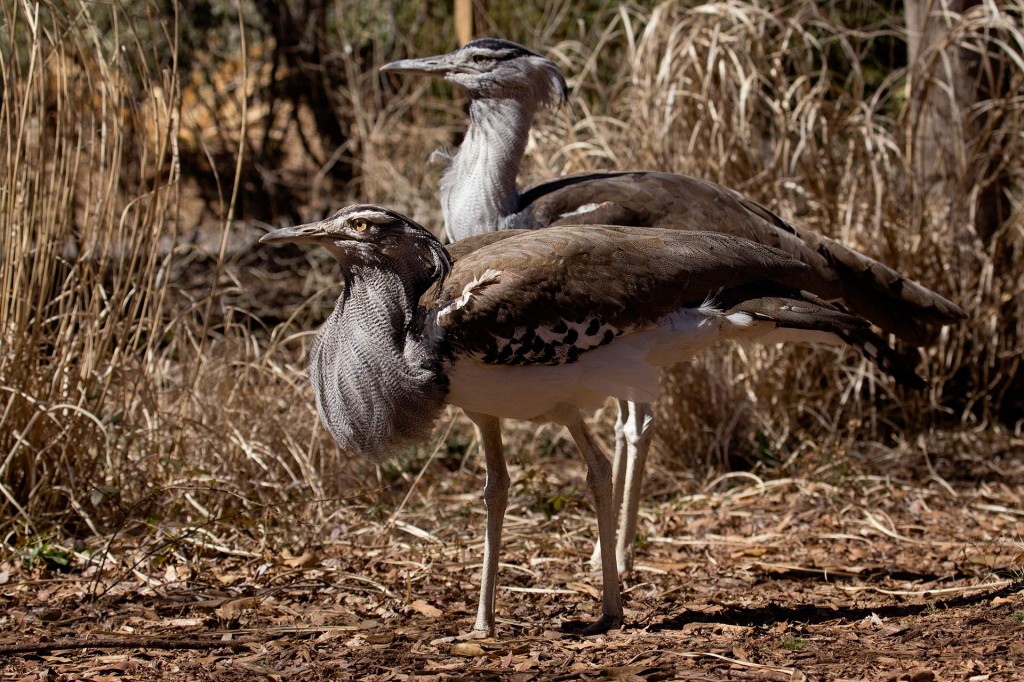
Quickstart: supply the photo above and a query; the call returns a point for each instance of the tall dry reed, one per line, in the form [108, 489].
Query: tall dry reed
[87, 180]
[133, 381]
[152, 363]
[785, 103]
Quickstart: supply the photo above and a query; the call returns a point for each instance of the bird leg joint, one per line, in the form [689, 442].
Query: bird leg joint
[496, 488]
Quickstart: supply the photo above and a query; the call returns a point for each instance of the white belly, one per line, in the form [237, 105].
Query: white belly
[518, 392]
[626, 368]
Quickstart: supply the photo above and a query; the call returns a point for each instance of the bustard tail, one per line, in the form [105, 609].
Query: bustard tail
[893, 302]
[866, 287]
[804, 312]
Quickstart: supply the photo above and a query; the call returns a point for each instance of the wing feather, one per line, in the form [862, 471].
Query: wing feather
[895, 303]
[627, 278]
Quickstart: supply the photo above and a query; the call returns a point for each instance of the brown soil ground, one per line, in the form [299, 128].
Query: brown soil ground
[909, 572]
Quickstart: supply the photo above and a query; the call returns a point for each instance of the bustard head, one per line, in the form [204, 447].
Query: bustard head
[378, 379]
[492, 68]
[367, 235]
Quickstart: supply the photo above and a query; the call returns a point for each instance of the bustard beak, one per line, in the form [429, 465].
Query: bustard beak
[309, 232]
[436, 66]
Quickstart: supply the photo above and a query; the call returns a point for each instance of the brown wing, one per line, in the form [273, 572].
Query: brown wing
[838, 273]
[468, 245]
[606, 280]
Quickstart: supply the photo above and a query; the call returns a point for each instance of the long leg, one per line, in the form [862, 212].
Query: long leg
[599, 478]
[496, 500]
[638, 432]
[621, 459]
[633, 430]
[619, 465]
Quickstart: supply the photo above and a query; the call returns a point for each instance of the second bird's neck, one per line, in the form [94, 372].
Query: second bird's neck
[478, 191]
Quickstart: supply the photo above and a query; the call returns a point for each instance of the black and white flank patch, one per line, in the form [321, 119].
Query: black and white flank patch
[557, 344]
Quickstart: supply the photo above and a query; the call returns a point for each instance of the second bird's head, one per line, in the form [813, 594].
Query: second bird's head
[365, 235]
[492, 68]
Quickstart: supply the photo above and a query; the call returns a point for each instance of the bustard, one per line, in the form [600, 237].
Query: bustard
[507, 84]
[536, 325]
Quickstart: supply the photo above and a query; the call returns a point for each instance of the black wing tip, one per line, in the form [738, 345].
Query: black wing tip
[956, 313]
[901, 366]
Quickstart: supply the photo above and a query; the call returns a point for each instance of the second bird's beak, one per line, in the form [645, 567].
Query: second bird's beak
[437, 66]
[307, 233]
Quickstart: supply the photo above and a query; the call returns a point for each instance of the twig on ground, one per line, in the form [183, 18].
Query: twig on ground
[134, 642]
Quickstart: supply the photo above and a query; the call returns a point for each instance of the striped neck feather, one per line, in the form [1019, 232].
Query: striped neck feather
[378, 381]
[478, 191]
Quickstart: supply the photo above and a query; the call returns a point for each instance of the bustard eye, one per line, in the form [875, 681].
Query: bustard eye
[361, 225]
[481, 59]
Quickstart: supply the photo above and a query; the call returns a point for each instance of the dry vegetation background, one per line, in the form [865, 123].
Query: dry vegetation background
[151, 355]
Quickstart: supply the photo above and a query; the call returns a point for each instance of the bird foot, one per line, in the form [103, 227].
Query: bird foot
[599, 627]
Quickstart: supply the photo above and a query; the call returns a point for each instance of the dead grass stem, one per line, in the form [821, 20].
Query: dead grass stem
[151, 370]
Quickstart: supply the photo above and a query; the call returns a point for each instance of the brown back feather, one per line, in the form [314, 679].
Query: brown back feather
[837, 273]
[627, 277]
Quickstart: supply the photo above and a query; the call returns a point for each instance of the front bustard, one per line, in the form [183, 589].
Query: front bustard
[538, 325]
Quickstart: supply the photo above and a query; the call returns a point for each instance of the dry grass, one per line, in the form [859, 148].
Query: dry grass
[777, 101]
[88, 185]
[151, 368]
[133, 386]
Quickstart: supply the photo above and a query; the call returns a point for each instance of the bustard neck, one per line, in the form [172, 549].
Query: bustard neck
[378, 379]
[478, 191]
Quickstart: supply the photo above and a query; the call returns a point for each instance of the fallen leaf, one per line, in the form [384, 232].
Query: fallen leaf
[585, 589]
[426, 609]
[750, 551]
[528, 664]
[114, 666]
[230, 610]
[666, 566]
[628, 673]
[468, 649]
[303, 560]
[920, 676]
